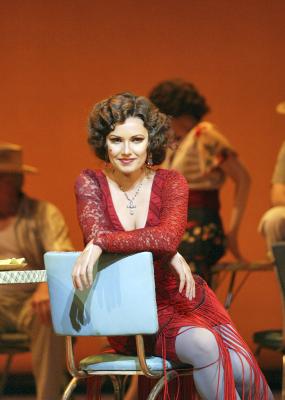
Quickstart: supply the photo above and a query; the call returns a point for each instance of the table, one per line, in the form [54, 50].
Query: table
[16, 342]
[233, 268]
[25, 276]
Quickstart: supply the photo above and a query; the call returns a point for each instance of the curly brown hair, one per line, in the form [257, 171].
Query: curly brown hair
[115, 110]
[177, 97]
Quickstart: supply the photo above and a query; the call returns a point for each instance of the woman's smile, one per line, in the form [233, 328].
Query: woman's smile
[126, 161]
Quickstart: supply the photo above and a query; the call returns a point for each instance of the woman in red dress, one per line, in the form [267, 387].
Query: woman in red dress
[129, 207]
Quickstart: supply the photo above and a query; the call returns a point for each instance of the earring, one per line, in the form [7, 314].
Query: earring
[149, 161]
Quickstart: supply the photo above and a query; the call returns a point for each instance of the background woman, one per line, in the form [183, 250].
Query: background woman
[204, 156]
[130, 208]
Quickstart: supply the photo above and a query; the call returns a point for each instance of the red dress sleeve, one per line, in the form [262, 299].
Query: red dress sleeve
[161, 239]
[91, 206]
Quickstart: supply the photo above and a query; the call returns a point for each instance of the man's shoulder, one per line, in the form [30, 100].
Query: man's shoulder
[36, 206]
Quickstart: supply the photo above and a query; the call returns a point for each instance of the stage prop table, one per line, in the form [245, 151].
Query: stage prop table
[25, 276]
[12, 343]
[233, 268]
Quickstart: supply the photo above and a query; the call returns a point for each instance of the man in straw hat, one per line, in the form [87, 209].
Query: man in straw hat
[272, 224]
[28, 228]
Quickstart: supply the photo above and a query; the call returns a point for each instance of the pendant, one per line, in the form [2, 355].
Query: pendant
[131, 206]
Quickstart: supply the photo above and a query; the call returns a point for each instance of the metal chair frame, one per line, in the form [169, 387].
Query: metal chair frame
[119, 377]
[11, 343]
[278, 250]
[264, 339]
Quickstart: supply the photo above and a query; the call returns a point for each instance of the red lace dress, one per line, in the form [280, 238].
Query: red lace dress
[161, 235]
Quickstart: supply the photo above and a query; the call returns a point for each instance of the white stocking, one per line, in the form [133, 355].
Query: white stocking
[198, 347]
[243, 374]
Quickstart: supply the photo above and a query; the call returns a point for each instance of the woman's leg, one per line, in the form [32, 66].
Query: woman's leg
[198, 347]
[244, 379]
[242, 364]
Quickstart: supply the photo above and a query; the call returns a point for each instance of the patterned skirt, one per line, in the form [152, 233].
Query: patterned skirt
[204, 241]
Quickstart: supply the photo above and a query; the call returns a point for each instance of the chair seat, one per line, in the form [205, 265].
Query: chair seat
[119, 362]
[14, 342]
[271, 339]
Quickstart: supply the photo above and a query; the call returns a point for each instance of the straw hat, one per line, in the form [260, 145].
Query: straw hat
[11, 159]
[280, 108]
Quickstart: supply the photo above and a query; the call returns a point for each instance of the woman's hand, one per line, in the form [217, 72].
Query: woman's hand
[185, 275]
[233, 247]
[82, 274]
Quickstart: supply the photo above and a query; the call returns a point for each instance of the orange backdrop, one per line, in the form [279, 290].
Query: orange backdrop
[59, 58]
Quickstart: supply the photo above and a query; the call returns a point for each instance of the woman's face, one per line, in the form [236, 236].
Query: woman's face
[127, 145]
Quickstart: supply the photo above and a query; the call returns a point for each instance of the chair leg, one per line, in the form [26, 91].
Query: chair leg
[5, 374]
[118, 385]
[170, 375]
[230, 295]
[283, 378]
[70, 388]
[124, 383]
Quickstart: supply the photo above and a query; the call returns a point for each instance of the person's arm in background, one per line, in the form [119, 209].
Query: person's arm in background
[278, 180]
[278, 194]
[241, 178]
[54, 237]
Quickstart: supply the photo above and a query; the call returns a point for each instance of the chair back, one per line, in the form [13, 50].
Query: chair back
[121, 300]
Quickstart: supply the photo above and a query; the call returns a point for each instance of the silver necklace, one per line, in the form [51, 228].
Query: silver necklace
[131, 201]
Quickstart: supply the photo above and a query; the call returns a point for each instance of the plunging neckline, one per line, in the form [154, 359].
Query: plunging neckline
[111, 207]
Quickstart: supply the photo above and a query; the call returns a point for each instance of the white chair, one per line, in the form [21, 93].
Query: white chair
[121, 301]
